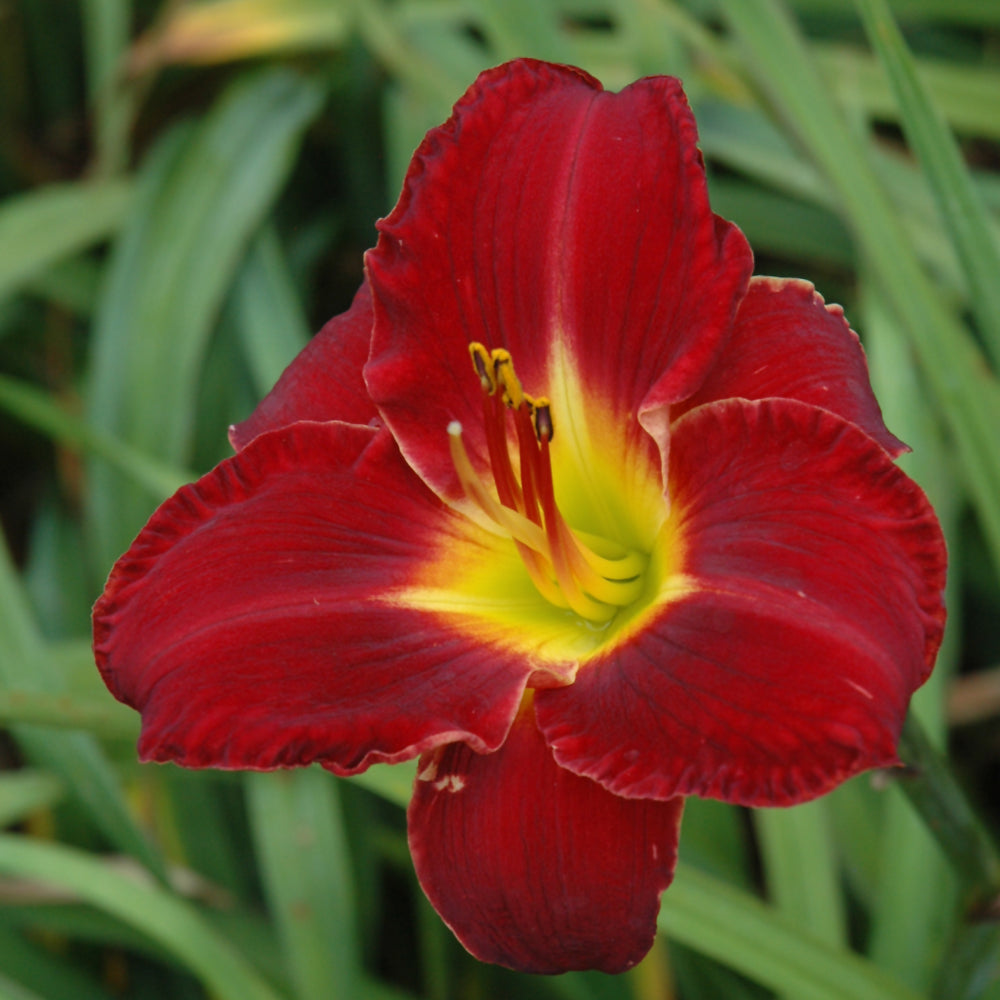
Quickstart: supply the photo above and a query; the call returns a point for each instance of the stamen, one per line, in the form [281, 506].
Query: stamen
[562, 563]
[543, 419]
[503, 370]
[495, 418]
[527, 536]
[483, 364]
[527, 450]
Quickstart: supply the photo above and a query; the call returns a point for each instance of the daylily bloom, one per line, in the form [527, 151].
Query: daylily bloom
[567, 505]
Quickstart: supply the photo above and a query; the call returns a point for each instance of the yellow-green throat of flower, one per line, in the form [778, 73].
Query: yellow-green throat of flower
[590, 575]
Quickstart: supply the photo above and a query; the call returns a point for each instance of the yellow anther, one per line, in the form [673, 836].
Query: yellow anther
[503, 371]
[483, 365]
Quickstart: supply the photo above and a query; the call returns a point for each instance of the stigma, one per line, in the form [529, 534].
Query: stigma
[590, 576]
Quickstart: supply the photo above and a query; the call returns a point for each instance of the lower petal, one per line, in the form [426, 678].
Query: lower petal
[253, 622]
[804, 610]
[536, 868]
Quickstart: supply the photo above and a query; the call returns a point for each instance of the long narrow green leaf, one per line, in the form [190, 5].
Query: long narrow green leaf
[800, 869]
[103, 717]
[307, 875]
[911, 918]
[106, 26]
[37, 409]
[509, 22]
[940, 800]
[393, 782]
[272, 326]
[24, 791]
[964, 90]
[41, 227]
[202, 195]
[743, 138]
[379, 27]
[9, 990]
[168, 920]
[39, 969]
[711, 917]
[955, 371]
[74, 757]
[974, 13]
[961, 207]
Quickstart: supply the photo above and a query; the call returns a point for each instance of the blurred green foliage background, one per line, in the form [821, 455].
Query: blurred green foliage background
[186, 190]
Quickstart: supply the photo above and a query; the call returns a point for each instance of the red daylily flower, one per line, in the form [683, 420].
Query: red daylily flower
[568, 506]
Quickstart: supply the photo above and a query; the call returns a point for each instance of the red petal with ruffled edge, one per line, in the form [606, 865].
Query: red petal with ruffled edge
[567, 224]
[805, 610]
[252, 621]
[324, 381]
[533, 867]
[787, 342]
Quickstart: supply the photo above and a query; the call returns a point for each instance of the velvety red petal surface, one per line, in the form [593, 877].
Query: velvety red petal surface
[533, 867]
[565, 223]
[787, 342]
[806, 610]
[324, 381]
[251, 621]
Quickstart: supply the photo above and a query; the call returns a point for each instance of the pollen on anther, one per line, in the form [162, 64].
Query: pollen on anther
[454, 429]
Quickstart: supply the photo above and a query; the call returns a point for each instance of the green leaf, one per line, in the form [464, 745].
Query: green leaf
[38, 410]
[25, 791]
[510, 23]
[934, 792]
[394, 782]
[44, 226]
[9, 990]
[106, 26]
[800, 869]
[378, 24]
[911, 919]
[964, 213]
[307, 877]
[105, 717]
[738, 930]
[75, 757]
[271, 323]
[37, 968]
[168, 920]
[965, 91]
[201, 197]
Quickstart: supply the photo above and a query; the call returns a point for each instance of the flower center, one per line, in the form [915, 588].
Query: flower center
[590, 575]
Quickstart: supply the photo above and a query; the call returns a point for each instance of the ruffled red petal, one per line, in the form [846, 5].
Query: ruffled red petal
[324, 382]
[806, 609]
[565, 223]
[254, 622]
[533, 867]
[787, 342]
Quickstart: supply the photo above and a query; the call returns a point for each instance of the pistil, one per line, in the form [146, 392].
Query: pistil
[563, 566]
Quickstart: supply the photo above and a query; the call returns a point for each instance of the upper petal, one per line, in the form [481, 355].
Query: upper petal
[533, 867]
[253, 621]
[565, 223]
[324, 382]
[787, 342]
[805, 609]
